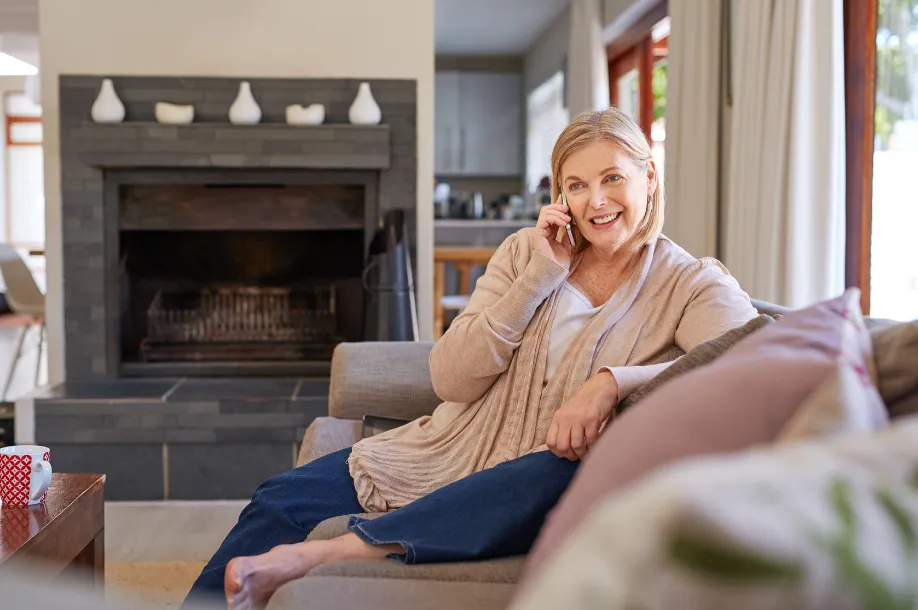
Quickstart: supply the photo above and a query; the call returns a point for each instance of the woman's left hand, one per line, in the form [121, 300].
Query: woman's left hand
[575, 426]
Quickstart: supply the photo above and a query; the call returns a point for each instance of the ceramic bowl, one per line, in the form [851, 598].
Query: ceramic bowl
[174, 114]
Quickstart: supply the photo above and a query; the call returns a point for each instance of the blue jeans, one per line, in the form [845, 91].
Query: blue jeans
[494, 513]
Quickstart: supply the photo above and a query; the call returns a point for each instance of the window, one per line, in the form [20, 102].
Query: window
[546, 119]
[22, 217]
[894, 202]
[637, 77]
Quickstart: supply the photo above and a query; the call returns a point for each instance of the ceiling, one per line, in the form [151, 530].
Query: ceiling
[462, 27]
[491, 27]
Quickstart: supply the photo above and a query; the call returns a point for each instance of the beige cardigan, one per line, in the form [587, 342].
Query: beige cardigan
[490, 364]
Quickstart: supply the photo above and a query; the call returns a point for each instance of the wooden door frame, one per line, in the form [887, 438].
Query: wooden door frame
[635, 49]
[860, 40]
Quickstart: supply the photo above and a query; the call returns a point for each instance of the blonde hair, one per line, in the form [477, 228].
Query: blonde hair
[614, 126]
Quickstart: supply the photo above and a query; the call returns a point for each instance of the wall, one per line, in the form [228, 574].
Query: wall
[270, 38]
[548, 54]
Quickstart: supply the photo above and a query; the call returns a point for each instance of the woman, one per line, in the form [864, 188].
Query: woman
[553, 338]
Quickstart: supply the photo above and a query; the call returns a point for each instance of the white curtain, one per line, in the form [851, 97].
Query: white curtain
[784, 211]
[587, 65]
[693, 107]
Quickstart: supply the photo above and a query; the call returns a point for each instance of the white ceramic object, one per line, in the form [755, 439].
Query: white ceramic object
[107, 108]
[245, 110]
[174, 114]
[314, 114]
[364, 110]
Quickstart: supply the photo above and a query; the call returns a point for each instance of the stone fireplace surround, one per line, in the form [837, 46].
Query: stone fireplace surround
[184, 437]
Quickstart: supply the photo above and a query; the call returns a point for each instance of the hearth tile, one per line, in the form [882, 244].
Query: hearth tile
[120, 390]
[216, 389]
[127, 437]
[241, 420]
[270, 405]
[257, 435]
[224, 471]
[132, 472]
[85, 407]
[311, 387]
[191, 435]
[311, 408]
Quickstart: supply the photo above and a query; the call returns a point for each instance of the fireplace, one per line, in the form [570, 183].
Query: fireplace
[237, 275]
[208, 271]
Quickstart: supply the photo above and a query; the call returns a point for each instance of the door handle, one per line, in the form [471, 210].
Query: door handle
[462, 147]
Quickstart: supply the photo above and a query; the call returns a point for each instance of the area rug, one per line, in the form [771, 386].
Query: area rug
[165, 583]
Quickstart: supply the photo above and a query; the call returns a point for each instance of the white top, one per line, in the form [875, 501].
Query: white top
[573, 312]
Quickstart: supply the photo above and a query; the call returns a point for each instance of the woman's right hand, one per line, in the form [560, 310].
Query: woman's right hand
[551, 218]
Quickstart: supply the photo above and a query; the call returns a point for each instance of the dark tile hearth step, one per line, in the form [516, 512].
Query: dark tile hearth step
[186, 438]
[186, 390]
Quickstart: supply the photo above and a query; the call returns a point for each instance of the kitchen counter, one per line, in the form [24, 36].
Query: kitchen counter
[471, 232]
[482, 222]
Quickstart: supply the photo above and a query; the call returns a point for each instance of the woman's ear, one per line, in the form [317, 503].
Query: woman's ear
[651, 178]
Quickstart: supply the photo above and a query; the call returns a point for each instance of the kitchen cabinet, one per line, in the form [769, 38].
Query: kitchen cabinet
[478, 124]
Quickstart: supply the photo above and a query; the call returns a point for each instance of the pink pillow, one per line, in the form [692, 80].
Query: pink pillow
[745, 397]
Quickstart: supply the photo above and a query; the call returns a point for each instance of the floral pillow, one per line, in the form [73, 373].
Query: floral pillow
[828, 524]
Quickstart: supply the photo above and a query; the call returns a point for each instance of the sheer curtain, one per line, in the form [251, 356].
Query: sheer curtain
[693, 109]
[587, 65]
[784, 211]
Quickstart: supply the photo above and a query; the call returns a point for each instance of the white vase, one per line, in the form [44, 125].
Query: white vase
[364, 110]
[245, 110]
[107, 108]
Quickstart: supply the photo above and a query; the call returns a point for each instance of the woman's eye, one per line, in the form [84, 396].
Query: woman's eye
[574, 187]
[613, 178]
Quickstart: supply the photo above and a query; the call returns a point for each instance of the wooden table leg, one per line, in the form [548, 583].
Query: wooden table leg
[92, 559]
[439, 291]
[465, 277]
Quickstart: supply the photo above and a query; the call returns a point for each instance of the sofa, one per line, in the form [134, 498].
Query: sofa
[391, 380]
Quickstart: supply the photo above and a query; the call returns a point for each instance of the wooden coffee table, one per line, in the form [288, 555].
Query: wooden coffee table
[67, 532]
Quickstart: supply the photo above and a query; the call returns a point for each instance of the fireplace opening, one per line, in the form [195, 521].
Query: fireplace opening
[226, 302]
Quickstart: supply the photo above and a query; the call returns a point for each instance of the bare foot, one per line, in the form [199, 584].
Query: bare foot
[250, 581]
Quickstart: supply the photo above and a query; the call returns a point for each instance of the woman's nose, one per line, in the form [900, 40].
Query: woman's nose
[597, 197]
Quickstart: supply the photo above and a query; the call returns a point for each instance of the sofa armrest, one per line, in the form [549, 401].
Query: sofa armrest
[326, 435]
[387, 378]
[770, 309]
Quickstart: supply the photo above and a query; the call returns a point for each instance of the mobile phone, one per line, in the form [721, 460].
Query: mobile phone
[567, 227]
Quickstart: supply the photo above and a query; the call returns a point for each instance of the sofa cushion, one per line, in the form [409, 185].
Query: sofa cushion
[826, 524]
[334, 593]
[701, 355]
[895, 351]
[744, 398]
[336, 526]
[505, 570]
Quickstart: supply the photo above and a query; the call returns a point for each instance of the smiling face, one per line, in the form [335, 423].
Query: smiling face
[607, 192]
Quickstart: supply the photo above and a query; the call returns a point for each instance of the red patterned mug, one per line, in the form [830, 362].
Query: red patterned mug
[25, 474]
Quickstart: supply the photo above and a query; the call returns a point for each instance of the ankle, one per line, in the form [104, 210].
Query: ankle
[351, 546]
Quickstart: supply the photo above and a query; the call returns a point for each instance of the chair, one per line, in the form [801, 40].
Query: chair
[463, 259]
[25, 298]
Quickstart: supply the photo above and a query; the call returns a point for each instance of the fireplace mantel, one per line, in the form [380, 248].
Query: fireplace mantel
[141, 144]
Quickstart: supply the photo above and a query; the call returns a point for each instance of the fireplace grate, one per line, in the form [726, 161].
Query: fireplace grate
[241, 322]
